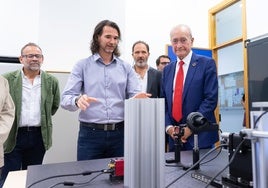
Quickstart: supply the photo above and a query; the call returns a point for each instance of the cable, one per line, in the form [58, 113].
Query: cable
[212, 157]
[215, 155]
[64, 175]
[230, 161]
[189, 169]
[256, 121]
[176, 165]
[64, 183]
[74, 183]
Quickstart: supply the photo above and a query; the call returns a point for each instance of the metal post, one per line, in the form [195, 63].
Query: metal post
[144, 162]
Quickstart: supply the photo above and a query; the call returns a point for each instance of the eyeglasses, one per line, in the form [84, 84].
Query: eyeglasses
[31, 56]
[164, 63]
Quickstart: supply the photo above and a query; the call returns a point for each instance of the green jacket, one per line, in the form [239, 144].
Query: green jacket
[50, 99]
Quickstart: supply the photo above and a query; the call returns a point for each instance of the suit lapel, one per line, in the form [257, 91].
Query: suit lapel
[16, 90]
[149, 82]
[171, 71]
[190, 74]
[18, 86]
[45, 83]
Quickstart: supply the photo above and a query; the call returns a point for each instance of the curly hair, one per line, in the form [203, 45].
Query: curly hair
[94, 46]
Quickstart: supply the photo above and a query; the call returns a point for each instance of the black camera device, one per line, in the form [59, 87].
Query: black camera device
[240, 170]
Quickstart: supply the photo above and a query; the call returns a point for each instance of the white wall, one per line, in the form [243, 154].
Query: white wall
[256, 18]
[19, 22]
[63, 28]
[66, 28]
[152, 21]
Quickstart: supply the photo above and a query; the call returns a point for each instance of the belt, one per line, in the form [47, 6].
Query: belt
[105, 127]
[30, 128]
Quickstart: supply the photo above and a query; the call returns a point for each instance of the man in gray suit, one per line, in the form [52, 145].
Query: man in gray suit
[150, 78]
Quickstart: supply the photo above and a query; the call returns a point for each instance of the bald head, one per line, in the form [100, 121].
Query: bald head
[183, 28]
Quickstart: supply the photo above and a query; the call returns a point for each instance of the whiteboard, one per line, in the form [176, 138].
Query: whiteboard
[8, 67]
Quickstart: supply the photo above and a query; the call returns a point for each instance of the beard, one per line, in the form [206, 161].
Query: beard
[109, 48]
[34, 66]
[141, 63]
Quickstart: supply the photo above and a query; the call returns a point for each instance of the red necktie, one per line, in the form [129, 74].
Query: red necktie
[177, 100]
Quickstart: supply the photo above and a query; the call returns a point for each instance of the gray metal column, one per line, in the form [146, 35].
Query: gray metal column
[144, 162]
[259, 146]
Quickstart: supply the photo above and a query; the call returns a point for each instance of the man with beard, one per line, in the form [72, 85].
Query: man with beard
[36, 96]
[149, 78]
[98, 85]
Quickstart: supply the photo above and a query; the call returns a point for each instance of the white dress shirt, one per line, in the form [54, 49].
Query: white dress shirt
[31, 102]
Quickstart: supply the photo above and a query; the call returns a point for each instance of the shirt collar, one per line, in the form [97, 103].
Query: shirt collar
[187, 59]
[98, 58]
[24, 76]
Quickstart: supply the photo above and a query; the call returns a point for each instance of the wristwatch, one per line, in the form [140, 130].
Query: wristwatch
[76, 100]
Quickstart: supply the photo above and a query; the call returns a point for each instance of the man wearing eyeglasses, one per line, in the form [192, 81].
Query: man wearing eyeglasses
[162, 61]
[36, 96]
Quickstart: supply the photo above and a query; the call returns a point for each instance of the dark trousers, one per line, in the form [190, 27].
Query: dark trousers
[97, 144]
[29, 150]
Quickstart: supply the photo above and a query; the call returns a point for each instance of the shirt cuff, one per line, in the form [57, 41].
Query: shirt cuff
[76, 100]
[167, 127]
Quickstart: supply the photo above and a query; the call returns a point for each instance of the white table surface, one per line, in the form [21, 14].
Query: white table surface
[16, 179]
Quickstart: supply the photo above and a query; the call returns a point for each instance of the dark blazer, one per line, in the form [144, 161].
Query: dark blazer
[200, 94]
[154, 82]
